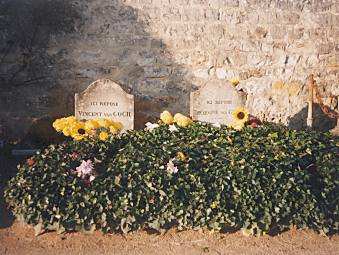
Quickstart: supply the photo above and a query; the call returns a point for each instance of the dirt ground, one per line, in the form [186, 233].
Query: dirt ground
[19, 239]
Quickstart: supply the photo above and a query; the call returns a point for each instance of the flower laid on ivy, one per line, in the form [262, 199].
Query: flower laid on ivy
[103, 136]
[240, 115]
[113, 129]
[253, 122]
[66, 131]
[79, 130]
[30, 161]
[118, 125]
[91, 124]
[150, 126]
[171, 168]
[166, 117]
[236, 125]
[86, 171]
[172, 128]
[239, 126]
[254, 125]
[177, 116]
[182, 120]
[60, 124]
[104, 123]
[181, 155]
[85, 168]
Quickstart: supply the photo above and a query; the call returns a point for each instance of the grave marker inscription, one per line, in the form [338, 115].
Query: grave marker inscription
[105, 99]
[215, 102]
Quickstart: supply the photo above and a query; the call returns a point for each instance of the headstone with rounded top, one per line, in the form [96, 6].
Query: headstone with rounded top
[216, 102]
[105, 99]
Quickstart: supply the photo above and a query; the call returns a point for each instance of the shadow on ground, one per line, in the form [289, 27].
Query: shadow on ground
[7, 171]
[321, 122]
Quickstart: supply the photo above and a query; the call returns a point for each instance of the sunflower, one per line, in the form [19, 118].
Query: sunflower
[240, 115]
[78, 131]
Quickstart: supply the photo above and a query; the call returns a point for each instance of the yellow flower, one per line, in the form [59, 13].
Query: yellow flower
[240, 115]
[239, 126]
[58, 125]
[78, 130]
[235, 81]
[184, 121]
[70, 119]
[118, 125]
[177, 117]
[181, 155]
[166, 117]
[103, 136]
[78, 137]
[113, 129]
[104, 123]
[91, 124]
[230, 125]
[66, 131]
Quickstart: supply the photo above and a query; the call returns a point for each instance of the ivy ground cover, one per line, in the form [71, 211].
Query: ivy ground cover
[190, 177]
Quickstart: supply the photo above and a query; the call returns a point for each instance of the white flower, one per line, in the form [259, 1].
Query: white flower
[91, 178]
[217, 125]
[150, 126]
[171, 168]
[85, 168]
[172, 128]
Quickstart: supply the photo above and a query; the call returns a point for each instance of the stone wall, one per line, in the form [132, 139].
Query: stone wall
[160, 51]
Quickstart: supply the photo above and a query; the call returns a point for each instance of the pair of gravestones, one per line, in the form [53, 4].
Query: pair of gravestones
[215, 103]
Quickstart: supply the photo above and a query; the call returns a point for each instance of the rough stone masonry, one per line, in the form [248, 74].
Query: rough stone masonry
[160, 51]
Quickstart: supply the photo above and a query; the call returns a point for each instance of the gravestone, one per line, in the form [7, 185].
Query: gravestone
[216, 102]
[105, 99]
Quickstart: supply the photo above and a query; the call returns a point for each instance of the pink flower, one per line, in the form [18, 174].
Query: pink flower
[30, 161]
[85, 168]
[171, 168]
